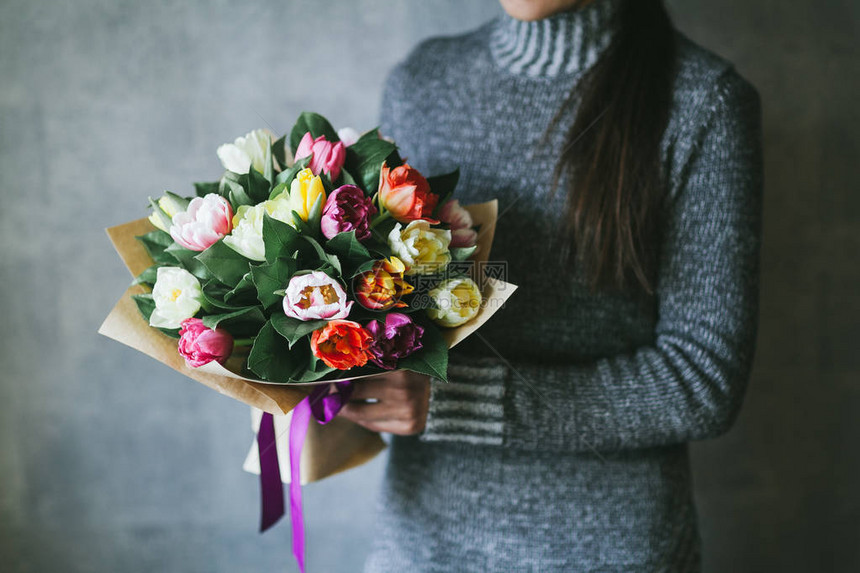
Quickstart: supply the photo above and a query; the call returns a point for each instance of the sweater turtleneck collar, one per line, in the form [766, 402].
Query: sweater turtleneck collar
[562, 44]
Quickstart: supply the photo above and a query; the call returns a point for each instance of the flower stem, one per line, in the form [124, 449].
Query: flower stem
[243, 342]
[382, 217]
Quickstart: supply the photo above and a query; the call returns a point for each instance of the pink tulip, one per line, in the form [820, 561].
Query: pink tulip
[206, 220]
[327, 157]
[315, 296]
[460, 221]
[200, 345]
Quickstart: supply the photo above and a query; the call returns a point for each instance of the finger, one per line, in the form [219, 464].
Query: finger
[400, 427]
[385, 412]
[369, 412]
[367, 388]
[381, 413]
[382, 388]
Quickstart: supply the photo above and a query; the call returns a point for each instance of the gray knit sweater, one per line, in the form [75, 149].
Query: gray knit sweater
[560, 442]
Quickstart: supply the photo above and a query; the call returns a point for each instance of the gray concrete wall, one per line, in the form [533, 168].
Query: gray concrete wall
[111, 462]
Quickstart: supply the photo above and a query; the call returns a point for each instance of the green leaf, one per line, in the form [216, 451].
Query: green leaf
[155, 243]
[272, 277]
[288, 175]
[272, 360]
[214, 294]
[203, 189]
[346, 178]
[257, 186]
[280, 239]
[328, 184]
[243, 293]
[251, 314]
[364, 160]
[145, 304]
[277, 190]
[147, 277]
[363, 267]
[294, 329]
[462, 253]
[185, 257]
[394, 160]
[211, 301]
[224, 263]
[314, 123]
[370, 134]
[279, 152]
[380, 250]
[443, 186]
[348, 248]
[432, 359]
[315, 214]
[178, 199]
[313, 374]
[232, 189]
[302, 226]
[322, 256]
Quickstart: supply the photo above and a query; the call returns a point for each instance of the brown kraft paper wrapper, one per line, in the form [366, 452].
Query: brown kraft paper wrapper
[329, 449]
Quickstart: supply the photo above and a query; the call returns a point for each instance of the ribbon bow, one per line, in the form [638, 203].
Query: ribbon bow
[323, 403]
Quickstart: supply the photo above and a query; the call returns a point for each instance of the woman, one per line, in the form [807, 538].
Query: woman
[627, 165]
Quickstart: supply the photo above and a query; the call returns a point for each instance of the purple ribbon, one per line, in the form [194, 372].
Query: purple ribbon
[271, 488]
[323, 403]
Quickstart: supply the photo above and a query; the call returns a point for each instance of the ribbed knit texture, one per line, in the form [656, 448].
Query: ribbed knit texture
[555, 46]
[559, 443]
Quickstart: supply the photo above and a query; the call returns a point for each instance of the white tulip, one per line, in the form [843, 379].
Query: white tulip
[423, 248]
[457, 302]
[247, 236]
[177, 296]
[348, 135]
[168, 206]
[246, 152]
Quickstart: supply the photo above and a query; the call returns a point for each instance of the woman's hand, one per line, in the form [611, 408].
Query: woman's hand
[402, 399]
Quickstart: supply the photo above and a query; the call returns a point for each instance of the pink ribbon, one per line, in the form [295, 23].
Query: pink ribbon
[322, 404]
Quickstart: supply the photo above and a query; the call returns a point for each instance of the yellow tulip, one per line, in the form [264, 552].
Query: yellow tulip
[305, 190]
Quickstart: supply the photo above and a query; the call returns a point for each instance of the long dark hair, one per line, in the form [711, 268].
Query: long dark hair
[611, 154]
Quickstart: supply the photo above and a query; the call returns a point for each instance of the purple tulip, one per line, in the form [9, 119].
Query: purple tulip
[347, 209]
[397, 338]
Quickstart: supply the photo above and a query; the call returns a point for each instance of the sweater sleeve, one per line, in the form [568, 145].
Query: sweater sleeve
[688, 383]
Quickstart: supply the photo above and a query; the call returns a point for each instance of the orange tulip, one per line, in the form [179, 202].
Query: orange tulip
[405, 193]
[342, 344]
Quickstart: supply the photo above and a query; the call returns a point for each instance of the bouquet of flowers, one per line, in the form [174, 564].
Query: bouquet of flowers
[340, 260]
[316, 259]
